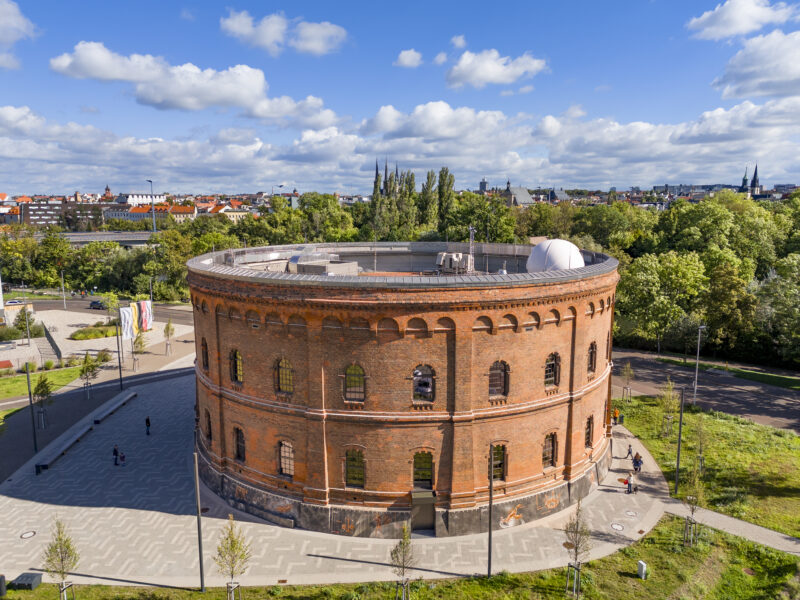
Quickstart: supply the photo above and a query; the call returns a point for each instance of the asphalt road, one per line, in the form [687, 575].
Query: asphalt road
[179, 313]
[760, 402]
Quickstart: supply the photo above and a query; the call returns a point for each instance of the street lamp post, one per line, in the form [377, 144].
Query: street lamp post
[152, 204]
[697, 363]
[680, 432]
[63, 293]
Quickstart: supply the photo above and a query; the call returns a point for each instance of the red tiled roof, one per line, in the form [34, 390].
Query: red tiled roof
[6, 364]
[23, 199]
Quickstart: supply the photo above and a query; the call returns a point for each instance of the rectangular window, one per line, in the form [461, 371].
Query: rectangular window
[287, 459]
[423, 470]
[498, 462]
[354, 469]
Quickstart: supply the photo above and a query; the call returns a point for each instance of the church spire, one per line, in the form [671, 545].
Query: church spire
[755, 186]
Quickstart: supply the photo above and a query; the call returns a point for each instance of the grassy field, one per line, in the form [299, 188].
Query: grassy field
[720, 567]
[11, 387]
[784, 381]
[752, 471]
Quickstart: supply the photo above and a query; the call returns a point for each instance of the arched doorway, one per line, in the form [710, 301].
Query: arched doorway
[422, 498]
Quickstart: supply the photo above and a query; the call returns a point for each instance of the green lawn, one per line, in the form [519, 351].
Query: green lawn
[752, 471]
[28, 295]
[720, 567]
[784, 381]
[11, 387]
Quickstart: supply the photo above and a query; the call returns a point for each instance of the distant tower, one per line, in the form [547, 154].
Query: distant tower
[484, 186]
[755, 186]
[744, 188]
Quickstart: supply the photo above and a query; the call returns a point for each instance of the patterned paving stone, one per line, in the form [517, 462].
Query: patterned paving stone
[135, 524]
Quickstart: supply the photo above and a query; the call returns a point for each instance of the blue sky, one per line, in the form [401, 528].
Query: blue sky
[211, 97]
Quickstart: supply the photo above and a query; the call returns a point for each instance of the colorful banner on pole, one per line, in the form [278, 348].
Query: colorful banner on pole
[135, 318]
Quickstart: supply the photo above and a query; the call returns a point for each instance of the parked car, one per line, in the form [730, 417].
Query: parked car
[97, 304]
[13, 302]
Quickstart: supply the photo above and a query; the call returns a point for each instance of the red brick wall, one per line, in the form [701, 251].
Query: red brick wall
[526, 325]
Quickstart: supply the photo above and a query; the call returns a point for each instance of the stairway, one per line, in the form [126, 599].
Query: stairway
[46, 350]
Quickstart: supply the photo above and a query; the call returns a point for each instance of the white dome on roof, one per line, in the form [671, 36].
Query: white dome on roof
[554, 255]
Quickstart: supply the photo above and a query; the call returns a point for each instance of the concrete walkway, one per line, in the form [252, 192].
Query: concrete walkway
[136, 524]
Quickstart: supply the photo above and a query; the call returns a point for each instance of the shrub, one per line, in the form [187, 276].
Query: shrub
[31, 367]
[93, 333]
[6, 372]
[48, 364]
[103, 356]
[9, 333]
[74, 360]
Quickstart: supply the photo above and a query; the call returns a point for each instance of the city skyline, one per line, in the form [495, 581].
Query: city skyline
[213, 99]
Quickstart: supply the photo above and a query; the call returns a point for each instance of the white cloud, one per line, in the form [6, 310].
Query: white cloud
[317, 38]
[440, 58]
[767, 65]
[739, 17]
[187, 14]
[408, 58]
[14, 26]
[488, 66]
[188, 87]
[268, 33]
[273, 31]
[507, 93]
[458, 41]
[525, 89]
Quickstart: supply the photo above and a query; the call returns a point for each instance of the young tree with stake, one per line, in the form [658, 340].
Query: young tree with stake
[403, 560]
[60, 556]
[233, 553]
[578, 543]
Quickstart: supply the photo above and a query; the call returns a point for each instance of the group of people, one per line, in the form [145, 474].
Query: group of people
[636, 459]
[119, 456]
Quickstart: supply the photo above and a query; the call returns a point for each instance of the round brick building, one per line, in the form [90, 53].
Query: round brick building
[349, 388]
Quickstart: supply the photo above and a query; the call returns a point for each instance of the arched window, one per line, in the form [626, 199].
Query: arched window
[592, 358]
[354, 469]
[355, 387]
[209, 431]
[204, 354]
[238, 436]
[237, 369]
[424, 379]
[589, 436]
[498, 462]
[284, 376]
[498, 379]
[552, 369]
[286, 466]
[550, 450]
[423, 470]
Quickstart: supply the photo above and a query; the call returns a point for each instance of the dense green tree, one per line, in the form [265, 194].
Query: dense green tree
[429, 201]
[446, 197]
[779, 312]
[657, 290]
[325, 219]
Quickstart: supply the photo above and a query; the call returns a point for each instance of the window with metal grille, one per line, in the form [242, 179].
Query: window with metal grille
[550, 450]
[284, 376]
[423, 470]
[287, 459]
[238, 435]
[498, 379]
[498, 462]
[237, 369]
[592, 359]
[204, 354]
[552, 369]
[589, 432]
[354, 469]
[424, 383]
[209, 431]
[355, 389]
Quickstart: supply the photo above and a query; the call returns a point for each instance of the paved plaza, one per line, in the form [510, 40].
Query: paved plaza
[136, 524]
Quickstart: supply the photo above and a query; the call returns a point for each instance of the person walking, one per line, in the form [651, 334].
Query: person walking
[630, 452]
[632, 487]
[122, 458]
[628, 481]
[616, 416]
[147, 425]
[116, 455]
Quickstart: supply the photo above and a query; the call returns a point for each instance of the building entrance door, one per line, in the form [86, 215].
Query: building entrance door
[422, 511]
